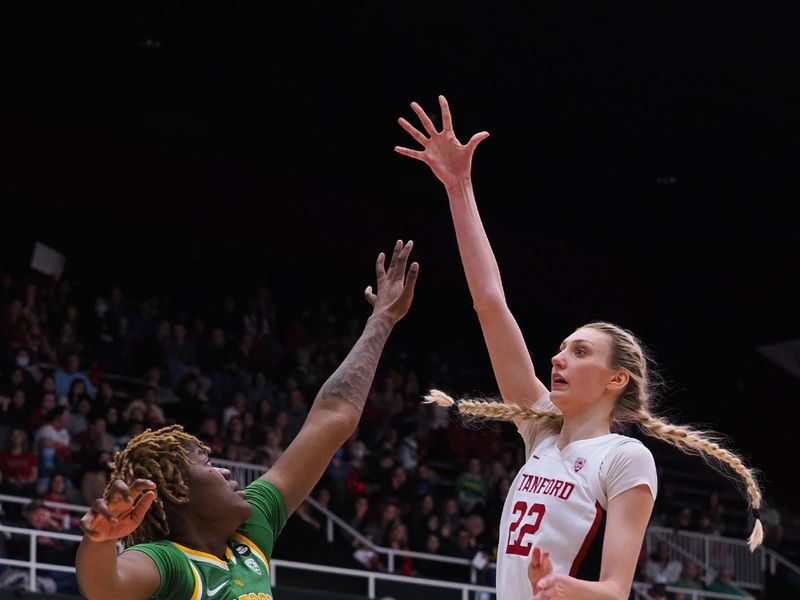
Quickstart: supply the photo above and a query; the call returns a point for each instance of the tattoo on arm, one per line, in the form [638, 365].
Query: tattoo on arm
[350, 383]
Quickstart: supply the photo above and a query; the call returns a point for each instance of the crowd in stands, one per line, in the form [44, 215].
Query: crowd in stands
[82, 373]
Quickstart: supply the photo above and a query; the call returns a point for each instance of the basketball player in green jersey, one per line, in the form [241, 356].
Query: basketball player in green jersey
[189, 532]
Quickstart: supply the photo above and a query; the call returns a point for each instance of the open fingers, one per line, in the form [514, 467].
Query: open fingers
[380, 268]
[447, 119]
[118, 491]
[371, 298]
[415, 133]
[142, 505]
[424, 119]
[397, 268]
[536, 558]
[398, 247]
[411, 281]
[476, 139]
[418, 154]
[141, 485]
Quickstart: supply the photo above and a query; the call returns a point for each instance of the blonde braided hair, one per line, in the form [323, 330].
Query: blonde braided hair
[160, 456]
[632, 406]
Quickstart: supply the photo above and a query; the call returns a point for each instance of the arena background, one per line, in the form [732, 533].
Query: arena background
[641, 169]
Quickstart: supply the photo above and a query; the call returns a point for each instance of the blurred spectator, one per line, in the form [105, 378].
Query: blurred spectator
[68, 373]
[54, 433]
[93, 440]
[464, 545]
[15, 411]
[180, 355]
[399, 490]
[722, 584]
[451, 520]
[192, 405]
[79, 416]
[107, 396]
[660, 568]
[95, 477]
[115, 425]
[66, 345]
[47, 403]
[418, 521]
[361, 514]
[684, 519]
[19, 466]
[658, 591]
[48, 549]
[216, 361]
[297, 413]
[41, 350]
[690, 579]
[209, 435]
[56, 491]
[471, 487]
[236, 408]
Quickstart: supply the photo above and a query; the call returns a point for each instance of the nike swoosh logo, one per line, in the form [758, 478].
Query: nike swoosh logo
[216, 589]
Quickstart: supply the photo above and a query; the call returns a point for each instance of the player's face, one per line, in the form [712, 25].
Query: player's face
[581, 374]
[213, 495]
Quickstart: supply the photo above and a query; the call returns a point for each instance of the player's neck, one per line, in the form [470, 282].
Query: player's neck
[583, 426]
[203, 538]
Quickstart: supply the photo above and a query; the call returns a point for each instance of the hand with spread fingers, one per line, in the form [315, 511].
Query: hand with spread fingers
[395, 288]
[449, 159]
[120, 511]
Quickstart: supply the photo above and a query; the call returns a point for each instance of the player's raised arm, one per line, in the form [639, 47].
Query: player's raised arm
[337, 408]
[451, 162]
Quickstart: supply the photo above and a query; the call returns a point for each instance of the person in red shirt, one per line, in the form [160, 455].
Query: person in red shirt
[20, 467]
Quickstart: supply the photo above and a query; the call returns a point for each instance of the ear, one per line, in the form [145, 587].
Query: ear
[619, 380]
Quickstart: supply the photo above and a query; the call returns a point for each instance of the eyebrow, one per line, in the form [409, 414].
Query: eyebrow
[564, 343]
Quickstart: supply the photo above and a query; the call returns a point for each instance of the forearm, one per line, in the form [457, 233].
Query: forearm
[93, 558]
[599, 590]
[345, 391]
[480, 266]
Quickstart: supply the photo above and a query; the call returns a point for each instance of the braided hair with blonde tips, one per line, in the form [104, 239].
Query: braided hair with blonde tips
[162, 457]
[633, 405]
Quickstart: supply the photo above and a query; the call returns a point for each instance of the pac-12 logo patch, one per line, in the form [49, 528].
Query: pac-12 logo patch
[242, 550]
[253, 565]
[579, 464]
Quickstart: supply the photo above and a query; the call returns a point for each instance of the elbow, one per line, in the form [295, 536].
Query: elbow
[340, 422]
[490, 304]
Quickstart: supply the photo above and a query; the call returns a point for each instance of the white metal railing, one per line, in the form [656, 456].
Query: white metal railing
[641, 591]
[712, 552]
[374, 576]
[370, 577]
[32, 564]
[244, 473]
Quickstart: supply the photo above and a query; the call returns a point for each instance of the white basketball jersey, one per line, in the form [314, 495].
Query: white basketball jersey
[557, 503]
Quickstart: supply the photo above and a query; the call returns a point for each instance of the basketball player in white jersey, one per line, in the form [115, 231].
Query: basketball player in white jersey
[583, 492]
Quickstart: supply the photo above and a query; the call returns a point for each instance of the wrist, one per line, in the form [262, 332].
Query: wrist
[459, 186]
[382, 317]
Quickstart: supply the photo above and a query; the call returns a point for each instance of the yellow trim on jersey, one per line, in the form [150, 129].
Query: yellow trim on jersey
[202, 556]
[198, 583]
[253, 547]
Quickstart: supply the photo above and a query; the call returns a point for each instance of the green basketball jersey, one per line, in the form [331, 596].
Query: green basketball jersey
[188, 574]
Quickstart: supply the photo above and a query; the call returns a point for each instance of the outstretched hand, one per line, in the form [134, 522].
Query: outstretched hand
[449, 159]
[395, 288]
[118, 513]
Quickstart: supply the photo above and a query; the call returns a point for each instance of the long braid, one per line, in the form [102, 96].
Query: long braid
[705, 445]
[160, 456]
[495, 410]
